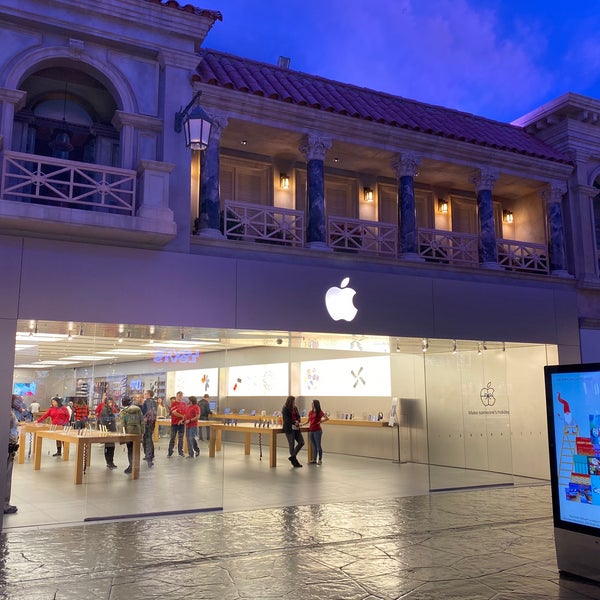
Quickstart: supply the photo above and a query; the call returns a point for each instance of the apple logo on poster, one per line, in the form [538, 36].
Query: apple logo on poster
[487, 395]
[339, 302]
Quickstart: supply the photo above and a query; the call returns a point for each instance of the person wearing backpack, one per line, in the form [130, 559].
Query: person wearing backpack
[205, 413]
[133, 422]
[149, 408]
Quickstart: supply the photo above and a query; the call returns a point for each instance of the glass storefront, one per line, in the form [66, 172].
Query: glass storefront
[472, 411]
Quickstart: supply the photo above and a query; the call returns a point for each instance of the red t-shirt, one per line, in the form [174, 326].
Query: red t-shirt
[191, 412]
[180, 407]
[314, 420]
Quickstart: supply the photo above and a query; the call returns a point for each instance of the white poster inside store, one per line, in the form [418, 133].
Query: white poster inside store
[259, 380]
[363, 376]
[197, 382]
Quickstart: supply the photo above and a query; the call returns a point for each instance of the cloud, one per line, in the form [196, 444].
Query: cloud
[450, 53]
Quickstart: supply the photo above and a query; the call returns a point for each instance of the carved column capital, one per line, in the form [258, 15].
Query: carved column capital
[315, 146]
[219, 122]
[406, 164]
[484, 179]
[553, 192]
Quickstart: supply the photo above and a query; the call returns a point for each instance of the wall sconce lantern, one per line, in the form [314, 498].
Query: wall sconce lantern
[196, 125]
[507, 216]
[442, 205]
[368, 192]
[284, 181]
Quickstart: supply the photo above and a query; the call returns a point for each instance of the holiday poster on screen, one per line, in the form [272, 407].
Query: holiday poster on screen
[576, 407]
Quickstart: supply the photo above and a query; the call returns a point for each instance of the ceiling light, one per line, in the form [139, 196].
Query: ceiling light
[125, 352]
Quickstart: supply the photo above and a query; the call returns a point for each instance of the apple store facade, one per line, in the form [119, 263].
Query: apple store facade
[455, 364]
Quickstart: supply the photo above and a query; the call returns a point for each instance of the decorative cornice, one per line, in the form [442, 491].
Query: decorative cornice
[142, 122]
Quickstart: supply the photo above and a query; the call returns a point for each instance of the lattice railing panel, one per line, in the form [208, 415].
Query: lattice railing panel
[363, 237]
[523, 256]
[448, 247]
[258, 223]
[65, 183]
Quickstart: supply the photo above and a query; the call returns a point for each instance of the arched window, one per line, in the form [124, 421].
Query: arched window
[67, 115]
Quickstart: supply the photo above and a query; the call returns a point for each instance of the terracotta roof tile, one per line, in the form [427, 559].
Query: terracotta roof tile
[213, 14]
[285, 85]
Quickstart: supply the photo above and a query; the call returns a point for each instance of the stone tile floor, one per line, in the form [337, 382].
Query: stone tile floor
[473, 545]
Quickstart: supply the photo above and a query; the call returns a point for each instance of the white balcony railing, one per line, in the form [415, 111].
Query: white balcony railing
[66, 183]
[448, 247]
[364, 237]
[522, 256]
[258, 223]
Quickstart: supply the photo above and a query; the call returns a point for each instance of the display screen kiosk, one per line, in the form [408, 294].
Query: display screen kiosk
[573, 408]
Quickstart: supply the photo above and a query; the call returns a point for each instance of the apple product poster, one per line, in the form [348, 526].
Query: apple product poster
[367, 376]
[259, 380]
[576, 416]
[197, 382]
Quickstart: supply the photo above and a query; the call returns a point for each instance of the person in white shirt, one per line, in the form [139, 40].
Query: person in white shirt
[34, 407]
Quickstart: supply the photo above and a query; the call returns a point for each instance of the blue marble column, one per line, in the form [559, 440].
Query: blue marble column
[406, 169]
[209, 220]
[488, 250]
[552, 197]
[314, 149]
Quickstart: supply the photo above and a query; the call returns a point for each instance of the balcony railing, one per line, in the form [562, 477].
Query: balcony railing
[364, 237]
[258, 223]
[68, 184]
[449, 247]
[523, 256]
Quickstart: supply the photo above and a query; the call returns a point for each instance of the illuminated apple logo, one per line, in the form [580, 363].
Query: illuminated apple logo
[338, 301]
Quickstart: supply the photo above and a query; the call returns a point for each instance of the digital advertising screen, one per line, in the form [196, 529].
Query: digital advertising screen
[25, 389]
[573, 409]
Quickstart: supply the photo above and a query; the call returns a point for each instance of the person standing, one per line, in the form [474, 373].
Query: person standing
[205, 413]
[162, 412]
[291, 428]
[81, 413]
[98, 409]
[192, 413]
[133, 422]
[34, 407]
[58, 415]
[178, 408]
[315, 417]
[13, 446]
[149, 412]
[108, 419]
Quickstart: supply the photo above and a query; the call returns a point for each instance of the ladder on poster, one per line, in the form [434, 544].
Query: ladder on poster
[567, 452]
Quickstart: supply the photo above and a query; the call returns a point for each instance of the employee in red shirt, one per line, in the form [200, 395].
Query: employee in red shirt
[58, 415]
[178, 408]
[192, 414]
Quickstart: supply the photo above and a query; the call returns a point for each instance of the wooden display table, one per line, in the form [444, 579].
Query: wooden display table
[24, 429]
[216, 433]
[83, 446]
[167, 423]
[247, 418]
[356, 423]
